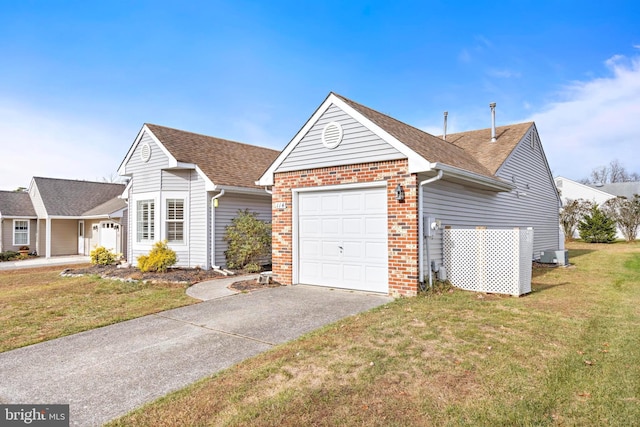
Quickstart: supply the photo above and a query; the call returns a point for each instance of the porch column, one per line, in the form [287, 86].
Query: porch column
[48, 239]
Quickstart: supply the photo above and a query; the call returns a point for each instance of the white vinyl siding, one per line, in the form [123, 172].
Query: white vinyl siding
[359, 145]
[227, 210]
[147, 176]
[20, 232]
[145, 221]
[533, 204]
[198, 222]
[175, 220]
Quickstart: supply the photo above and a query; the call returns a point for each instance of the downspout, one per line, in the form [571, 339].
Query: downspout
[213, 228]
[421, 238]
[268, 191]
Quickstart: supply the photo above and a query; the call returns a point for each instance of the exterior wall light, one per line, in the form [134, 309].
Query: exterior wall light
[399, 193]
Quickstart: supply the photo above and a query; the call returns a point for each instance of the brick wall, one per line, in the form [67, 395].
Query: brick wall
[402, 217]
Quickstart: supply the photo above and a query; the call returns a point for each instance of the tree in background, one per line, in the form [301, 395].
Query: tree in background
[613, 172]
[597, 227]
[571, 213]
[626, 214]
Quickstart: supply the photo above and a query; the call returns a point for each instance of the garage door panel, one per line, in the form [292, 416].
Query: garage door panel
[330, 203]
[330, 271]
[352, 203]
[330, 226]
[375, 226]
[309, 249]
[353, 249]
[310, 204]
[375, 251]
[375, 203]
[310, 226]
[342, 238]
[330, 249]
[352, 226]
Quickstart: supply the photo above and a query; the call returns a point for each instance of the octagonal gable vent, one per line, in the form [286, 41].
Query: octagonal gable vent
[332, 135]
[145, 152]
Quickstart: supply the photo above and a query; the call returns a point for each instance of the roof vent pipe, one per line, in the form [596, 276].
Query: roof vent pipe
[444, 134]
[493, 121]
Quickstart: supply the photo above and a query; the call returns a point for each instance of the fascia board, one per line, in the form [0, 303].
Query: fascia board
[173, 162]
[466, 175]
[417, 163]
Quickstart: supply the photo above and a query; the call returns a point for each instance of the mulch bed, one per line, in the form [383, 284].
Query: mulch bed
[188, 276]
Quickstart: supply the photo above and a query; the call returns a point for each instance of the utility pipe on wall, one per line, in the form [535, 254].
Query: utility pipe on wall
[421, 238]
[213, 229]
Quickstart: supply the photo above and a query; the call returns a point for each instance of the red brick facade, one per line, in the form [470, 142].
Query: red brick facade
[402, 217]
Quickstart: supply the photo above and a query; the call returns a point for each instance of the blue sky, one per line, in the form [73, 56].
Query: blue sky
[79, 78]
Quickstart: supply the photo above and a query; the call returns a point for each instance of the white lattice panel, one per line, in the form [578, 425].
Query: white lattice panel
[494, 261]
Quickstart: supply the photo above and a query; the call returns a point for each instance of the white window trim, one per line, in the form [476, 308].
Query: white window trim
[169, 195]
[144, 245]
[28, 232]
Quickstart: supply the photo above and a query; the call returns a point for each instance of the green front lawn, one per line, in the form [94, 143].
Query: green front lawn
[567, 354]
[38, 305]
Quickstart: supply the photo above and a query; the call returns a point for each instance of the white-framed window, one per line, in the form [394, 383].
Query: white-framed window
[145, 220]
[175, 220]
[20, 232]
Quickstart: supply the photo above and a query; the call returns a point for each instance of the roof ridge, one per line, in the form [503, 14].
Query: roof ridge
[209, 136]
[77, 180]
[488, 128]
[396, 120]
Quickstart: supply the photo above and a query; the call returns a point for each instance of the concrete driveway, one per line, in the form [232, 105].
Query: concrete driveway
[107, 372]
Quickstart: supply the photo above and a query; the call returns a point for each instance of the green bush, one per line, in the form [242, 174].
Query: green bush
[8, 255]
[102, 256]
[597, 227]
[160, 258]
[248, 240]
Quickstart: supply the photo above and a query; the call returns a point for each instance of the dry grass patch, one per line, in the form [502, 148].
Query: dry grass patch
[566, 354]
[37, 304]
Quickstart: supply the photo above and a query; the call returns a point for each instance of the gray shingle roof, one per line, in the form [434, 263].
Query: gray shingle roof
[471, 151]
[224, 162]
[625, 189]
[65, 197]
[16, 203]
[107, 208]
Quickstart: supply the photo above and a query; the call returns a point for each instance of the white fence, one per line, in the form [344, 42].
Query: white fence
[493, 261]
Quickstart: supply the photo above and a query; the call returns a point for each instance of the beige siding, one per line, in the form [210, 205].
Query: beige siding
[6, 234]
[64, 237]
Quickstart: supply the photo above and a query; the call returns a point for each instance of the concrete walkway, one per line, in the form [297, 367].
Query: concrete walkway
[217, 288]
[105, 373]
[44, 262]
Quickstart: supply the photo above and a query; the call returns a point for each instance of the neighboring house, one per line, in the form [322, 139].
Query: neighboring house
[596, 193]
[338, 220]
[186, 188]
[62, 217]
[17, 221]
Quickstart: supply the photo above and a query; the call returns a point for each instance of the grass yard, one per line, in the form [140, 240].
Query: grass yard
[567, 354]
[38, 305]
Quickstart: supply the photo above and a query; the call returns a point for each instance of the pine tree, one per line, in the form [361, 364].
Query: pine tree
[597, 227]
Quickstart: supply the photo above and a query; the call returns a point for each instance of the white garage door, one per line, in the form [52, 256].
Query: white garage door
[342, 239]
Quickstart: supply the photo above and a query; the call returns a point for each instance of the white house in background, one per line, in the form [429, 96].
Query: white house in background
[572, 190]
[598, 193]
[186, 188]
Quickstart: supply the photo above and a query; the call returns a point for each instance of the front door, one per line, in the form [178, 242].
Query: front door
[81, 237]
